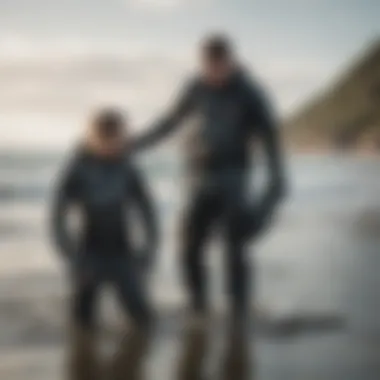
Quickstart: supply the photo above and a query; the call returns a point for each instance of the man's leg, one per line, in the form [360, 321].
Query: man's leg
[198, 222]
[236, 364]
[237, 263]
[237, 271]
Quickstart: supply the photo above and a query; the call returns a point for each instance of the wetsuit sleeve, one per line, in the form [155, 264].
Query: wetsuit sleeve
[64, 195]
[266, 125]
[145, 206]
[171, 121]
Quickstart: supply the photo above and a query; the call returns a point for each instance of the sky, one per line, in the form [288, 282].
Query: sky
[60, 59]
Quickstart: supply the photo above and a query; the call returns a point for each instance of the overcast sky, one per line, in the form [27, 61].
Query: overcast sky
[60, 59]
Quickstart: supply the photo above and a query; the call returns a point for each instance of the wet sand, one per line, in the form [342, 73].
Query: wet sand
[316, 289]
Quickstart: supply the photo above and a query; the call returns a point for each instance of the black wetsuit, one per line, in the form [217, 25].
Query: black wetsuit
[105, 191]
[228, 117]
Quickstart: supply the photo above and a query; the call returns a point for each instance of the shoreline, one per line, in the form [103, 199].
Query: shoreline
[331, 152]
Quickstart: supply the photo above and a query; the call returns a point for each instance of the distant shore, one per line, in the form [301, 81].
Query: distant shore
[312, 150]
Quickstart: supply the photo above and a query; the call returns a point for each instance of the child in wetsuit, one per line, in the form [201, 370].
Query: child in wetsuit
[104, 184]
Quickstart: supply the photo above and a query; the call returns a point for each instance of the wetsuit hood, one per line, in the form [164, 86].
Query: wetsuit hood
[92, 146]
[238, 75]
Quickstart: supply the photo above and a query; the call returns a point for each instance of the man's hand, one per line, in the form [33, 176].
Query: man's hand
[260, 215]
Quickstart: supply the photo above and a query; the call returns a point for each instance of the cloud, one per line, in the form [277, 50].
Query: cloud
[144, 83]
[17, 47]
[65, 80]
[292, 80]
[166, 4]
[158, 3]
[44, 95]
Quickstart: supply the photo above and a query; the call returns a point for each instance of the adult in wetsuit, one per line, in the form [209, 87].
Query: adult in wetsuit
[105, 186]
[231, 111]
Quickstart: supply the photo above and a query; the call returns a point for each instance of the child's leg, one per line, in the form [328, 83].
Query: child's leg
[128, 361]
[85, 286]
[131, 291]
[83, 361]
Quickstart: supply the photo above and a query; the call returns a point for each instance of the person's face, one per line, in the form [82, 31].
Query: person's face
[216, 72]
[111, 143]
[114, 145]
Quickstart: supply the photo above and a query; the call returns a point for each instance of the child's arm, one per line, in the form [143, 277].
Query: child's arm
[145, 205]
[63, 196]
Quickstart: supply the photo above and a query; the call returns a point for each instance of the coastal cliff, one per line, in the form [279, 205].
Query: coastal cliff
[345, 116]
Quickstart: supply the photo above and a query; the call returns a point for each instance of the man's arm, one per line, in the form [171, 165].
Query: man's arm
[264, 124]
[144, 203]
[62, 198]
[267, 126]
[169, 123]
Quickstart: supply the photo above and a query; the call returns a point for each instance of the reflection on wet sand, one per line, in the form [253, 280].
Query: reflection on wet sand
[317, 279]
[83, 356]
[233, 364]
[128, 363]
[301, 324]
[235, 361]
[191, 364]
